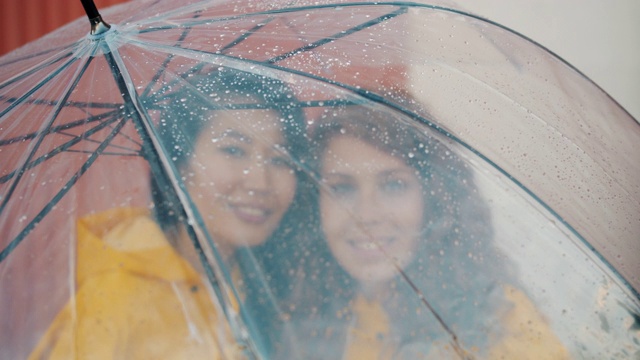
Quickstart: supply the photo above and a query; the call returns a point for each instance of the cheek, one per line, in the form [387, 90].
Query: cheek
[414, 219]
[216, 172]
[410, 214]
[333, 229]
[285, 184]
[204, 185]
[333, 216]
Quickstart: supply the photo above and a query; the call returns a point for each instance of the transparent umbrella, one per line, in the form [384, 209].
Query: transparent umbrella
[312, 180]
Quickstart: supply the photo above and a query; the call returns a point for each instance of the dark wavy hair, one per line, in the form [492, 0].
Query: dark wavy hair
[457, 270]
[183, 107]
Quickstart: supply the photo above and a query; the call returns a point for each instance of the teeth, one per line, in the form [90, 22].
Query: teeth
[370, 245]
[252, 211]
[365, 245]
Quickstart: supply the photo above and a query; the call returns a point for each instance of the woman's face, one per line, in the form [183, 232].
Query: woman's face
[372, 209]
[240, 177]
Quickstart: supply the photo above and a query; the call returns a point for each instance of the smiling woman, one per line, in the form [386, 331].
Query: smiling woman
[237, 142]
[373, 210]
[241, 177]
[145, 288]
[405, 265]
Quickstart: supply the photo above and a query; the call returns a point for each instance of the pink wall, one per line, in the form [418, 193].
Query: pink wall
[22, 21]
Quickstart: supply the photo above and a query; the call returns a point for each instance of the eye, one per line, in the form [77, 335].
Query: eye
[394, 186]
[280, 161]
[233, 151]
[342, 188]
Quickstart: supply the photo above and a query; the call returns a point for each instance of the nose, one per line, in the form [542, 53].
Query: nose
[369, 209]
[256, 178]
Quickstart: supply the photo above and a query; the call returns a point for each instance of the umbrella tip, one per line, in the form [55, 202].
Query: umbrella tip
[98, 26]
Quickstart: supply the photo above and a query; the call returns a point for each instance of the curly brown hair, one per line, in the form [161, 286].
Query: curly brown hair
[457, 269]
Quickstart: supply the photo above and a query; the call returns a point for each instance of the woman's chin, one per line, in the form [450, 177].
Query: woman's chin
[375, 277]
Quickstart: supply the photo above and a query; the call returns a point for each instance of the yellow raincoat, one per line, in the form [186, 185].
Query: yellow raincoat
[136, 298]
[527, 335]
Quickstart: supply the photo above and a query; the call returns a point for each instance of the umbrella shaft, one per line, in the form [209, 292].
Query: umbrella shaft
[90, 9]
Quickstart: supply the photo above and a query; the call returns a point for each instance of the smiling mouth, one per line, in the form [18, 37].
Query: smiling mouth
[378, 244]
[251, 214]
[371, 250]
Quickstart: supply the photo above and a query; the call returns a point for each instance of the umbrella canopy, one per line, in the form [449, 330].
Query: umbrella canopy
[407, 162]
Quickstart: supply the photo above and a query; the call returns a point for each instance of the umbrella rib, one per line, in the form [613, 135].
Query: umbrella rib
[77, 104]
[56, 151]
[162, 167]
[12, 61]
[164, 65]
[406, 4]
[367, 94]
[33, 70]
[131, 140]
[230, 45]
[54, 201]
[246, 35]
[151, 152]
[197, 55]
[195, 7]
[57, 128]
[233, 43]
[457, 347]
[273, 12]
[111, 153]
[338, 35]
[42, 134]
[38, 86]
[313, 45]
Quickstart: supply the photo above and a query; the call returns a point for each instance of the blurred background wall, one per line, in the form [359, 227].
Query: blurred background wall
[22, 21]
[600, 38]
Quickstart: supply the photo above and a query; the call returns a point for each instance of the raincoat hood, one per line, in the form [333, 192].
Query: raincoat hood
[128, 240]
[133, 295]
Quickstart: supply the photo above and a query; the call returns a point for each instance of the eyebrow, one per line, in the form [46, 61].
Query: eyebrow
[384, 173]
[397, 171]
[339, 176]
[236, 135]
[248, 140]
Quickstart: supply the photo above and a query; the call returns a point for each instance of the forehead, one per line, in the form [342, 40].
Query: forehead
[349, 154]
[252, 123]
